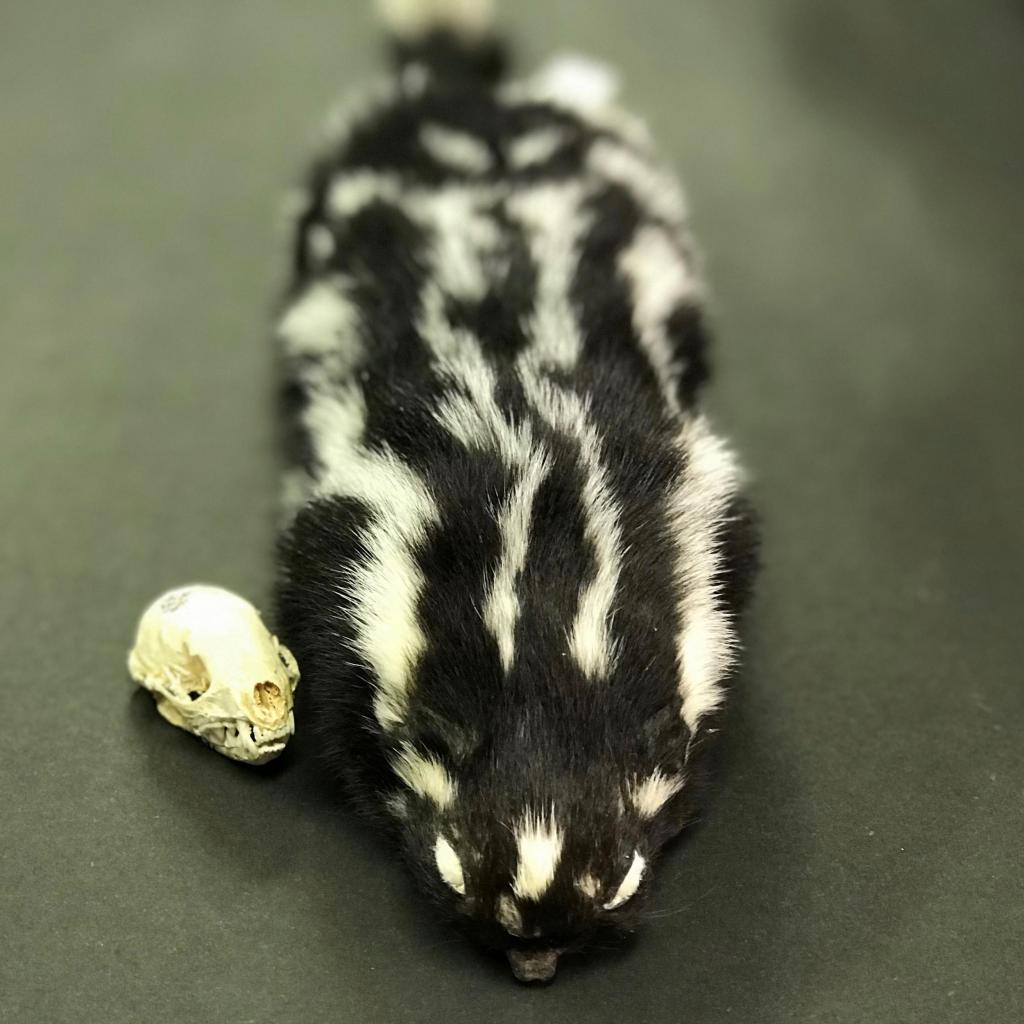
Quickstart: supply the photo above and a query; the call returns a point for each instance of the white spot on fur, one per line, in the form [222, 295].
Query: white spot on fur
[707, 640]
[322, 320]
[425, 775]
[577, 82]
[449, 866]
[536, 147]
[661, 282]
[652, 793]
[553, 221]
[320, 243]
[588, 885]
[501, 610]
[629, 884]
[355, 190]
[508, 916]
[539, 842]
[412, 19]
[384, 587]
[458, 150]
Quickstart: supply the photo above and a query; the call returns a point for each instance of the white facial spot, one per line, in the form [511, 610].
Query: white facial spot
[508, 916]
[449, 866]
[629, 884]
[588, 885]
[539, 843]
[651, 794]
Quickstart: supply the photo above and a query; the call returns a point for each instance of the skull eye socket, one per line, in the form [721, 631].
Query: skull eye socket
[193, 680]
[629, 885]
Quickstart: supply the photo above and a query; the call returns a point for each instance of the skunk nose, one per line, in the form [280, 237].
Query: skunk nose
[533, 965]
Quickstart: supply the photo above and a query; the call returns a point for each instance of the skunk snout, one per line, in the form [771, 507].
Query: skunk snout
[534, 964]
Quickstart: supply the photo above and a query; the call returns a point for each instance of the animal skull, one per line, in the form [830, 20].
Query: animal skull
[217, 672]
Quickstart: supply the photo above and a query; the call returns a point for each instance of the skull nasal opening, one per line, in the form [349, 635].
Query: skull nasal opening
[269, 700]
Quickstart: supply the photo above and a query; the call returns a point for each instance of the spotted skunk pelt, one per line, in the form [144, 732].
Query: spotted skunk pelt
[516, 552]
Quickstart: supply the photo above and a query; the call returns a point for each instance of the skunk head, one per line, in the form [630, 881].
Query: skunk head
[533, 855]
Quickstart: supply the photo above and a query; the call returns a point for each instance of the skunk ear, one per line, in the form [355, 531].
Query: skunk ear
[455, 742]
[665, 736]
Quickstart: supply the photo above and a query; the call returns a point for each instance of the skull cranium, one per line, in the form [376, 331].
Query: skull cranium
[217, 672]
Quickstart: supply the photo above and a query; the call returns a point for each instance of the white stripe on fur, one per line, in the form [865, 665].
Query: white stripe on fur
[463, 236]
[655, 190]
[697, 509]
[590, 640]
[425, 775]
[651, 794]
[501, 609]
[553, 221]
[660, 282]
[384, 588]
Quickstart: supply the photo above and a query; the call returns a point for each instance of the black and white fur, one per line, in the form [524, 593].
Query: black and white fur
[516, 550]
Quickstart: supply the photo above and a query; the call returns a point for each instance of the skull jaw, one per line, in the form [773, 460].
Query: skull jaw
[238, 739]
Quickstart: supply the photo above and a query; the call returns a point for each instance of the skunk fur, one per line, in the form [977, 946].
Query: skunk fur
[515, 552]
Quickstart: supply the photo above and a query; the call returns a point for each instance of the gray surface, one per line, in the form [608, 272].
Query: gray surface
[855, 170]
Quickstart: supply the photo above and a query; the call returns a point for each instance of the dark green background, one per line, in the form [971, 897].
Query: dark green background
[856, 174]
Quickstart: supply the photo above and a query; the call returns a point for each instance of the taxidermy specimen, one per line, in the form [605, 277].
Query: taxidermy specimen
[515, 551]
